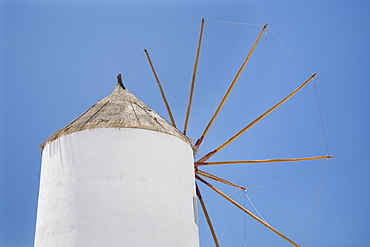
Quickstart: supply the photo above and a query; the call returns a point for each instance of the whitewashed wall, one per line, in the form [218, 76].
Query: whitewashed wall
[116, 187]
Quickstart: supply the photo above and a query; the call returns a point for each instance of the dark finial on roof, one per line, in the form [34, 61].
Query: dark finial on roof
[119, 80]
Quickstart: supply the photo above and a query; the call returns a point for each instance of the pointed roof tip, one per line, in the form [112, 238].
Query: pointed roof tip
[119, 81]
[120, 109]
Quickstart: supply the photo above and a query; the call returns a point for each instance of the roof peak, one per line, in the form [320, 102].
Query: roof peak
[120, 109]
[119, 81]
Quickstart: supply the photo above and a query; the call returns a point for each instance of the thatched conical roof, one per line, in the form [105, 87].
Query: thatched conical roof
[120, 109]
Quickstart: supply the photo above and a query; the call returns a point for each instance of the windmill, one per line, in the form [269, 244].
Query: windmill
[119, 174]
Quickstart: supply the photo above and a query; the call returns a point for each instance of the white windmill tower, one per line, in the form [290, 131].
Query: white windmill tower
[118, 175]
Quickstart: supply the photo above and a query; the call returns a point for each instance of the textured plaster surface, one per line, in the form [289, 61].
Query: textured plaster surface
[116, 187]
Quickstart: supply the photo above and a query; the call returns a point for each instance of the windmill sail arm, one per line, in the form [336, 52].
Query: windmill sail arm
[207, 216]
[218, 179]
[234, 162]
[200, 140]
[209, 155]
[193, 78]
[161, 89]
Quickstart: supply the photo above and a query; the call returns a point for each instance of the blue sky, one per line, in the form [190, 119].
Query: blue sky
[59, 58]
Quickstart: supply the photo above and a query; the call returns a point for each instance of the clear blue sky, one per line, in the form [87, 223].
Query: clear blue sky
[60, 57]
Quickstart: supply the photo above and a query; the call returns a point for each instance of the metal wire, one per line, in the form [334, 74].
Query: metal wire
[246, 195]
[173, 35]
[237, 23]
[133, 65]
[290, 51]
[317, 202]
[296, 175]
[228, 222]
[322, 120]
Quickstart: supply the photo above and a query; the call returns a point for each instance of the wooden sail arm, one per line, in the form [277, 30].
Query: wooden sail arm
[193, 78]
[200, 140]
[210, 154]
[260, 161]
[161, 90]
[218, 179]
[245, 210]
[207, 216]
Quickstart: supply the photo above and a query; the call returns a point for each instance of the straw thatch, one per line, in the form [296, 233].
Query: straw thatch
[120, 109]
